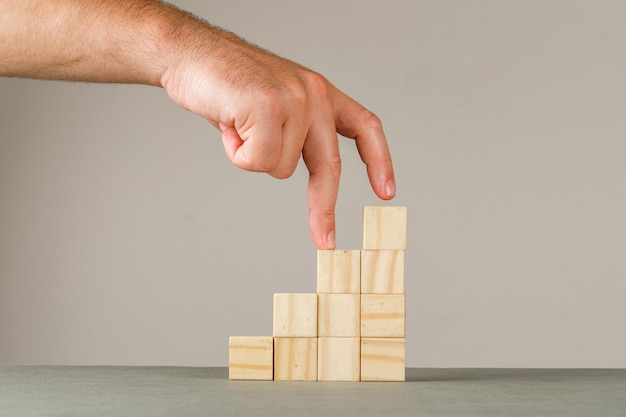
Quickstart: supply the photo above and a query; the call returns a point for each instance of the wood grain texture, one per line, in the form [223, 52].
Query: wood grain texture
[338, 271]
[384, 228]
[339, 315]
[382, 315]
[382, 271]
[295, 315]
[382, 359]
[251, 357]
[295, 358]
[339, 359]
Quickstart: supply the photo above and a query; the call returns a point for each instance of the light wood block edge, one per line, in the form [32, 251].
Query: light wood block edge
[382, 271]
[383, 359]
[295, 315]
[339, 359]
[339, 315]
[383, 315]
[251, 358]
[295, 358]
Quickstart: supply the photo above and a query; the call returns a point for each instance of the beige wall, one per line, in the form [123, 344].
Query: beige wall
[126, 237]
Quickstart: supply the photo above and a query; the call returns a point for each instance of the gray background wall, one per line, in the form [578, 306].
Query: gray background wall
[126, 237]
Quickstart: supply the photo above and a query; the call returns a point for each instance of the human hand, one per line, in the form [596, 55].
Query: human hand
[271, 110]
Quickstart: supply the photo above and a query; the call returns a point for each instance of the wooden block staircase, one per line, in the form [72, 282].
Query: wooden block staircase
[352, 329]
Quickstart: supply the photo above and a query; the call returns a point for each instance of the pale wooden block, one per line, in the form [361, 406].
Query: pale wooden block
[338, 271]
[339, 315]
[251, 357]
[382, 271]
[295, 315]
[384, 227]
[382, 359]
[338, 359]
[295, 358]
[382, 315]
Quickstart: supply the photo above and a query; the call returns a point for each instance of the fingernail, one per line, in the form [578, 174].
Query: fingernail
[390, 188]
[330, 240]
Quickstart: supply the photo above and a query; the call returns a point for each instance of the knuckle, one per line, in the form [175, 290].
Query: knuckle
[322, 167]
[333, 165]
[266, 166]
[318, 85]
[298, 97]
[256, 164]
[327, 211]
[282, 174]
[371, 121]
[386, 163]
[272, 101]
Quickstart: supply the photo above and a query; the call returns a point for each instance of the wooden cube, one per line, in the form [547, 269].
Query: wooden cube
[382, 315]
[295, 315]
[339, 315]
[338, 271]
[382, 271]
[384, 228]
[251, 357]
[382, 359]
[295, 358]
[339, 359]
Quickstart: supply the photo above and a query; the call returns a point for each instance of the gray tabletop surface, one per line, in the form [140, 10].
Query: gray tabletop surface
[174, 391]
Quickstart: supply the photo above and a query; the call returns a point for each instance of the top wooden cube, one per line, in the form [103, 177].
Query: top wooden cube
[384, 228]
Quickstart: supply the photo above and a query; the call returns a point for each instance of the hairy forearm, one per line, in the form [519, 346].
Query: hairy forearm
[125, 41]
[271, 111]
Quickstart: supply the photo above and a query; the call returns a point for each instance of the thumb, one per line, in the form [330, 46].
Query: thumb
[231, 140]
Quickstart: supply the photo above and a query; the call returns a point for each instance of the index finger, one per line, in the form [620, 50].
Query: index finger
[354, 121]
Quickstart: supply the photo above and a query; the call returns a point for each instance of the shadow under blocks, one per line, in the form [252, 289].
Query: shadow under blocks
[352, 329]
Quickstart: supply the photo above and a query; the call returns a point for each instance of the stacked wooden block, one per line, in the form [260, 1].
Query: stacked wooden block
[352, 329]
